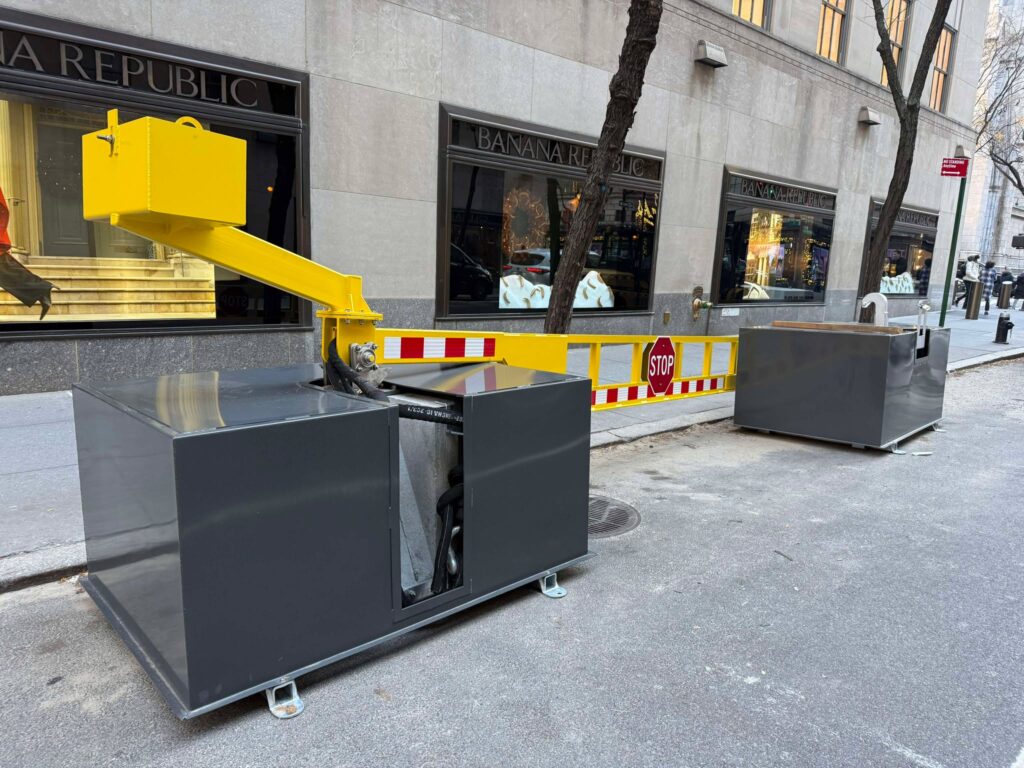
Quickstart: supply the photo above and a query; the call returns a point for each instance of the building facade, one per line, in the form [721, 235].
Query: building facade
[994, 212]
[437, 148]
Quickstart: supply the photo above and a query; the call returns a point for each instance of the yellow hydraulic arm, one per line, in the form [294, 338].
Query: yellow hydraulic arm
[183, 186]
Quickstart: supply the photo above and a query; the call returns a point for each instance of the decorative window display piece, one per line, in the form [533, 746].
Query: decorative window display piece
[510, 197]
[908, 258]
[774, 242]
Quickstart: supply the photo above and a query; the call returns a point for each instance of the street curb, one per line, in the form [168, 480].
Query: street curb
[621, 435]
[27, 569]
[991, 357]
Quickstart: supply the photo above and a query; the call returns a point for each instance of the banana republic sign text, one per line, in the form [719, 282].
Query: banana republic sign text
[526, 146]
[44, 55]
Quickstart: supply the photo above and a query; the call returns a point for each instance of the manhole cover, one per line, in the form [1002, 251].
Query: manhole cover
[610, 517]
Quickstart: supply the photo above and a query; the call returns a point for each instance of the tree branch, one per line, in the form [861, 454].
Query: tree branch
[1009, 171]
[888, 60]
[924, 63]
[625, 89]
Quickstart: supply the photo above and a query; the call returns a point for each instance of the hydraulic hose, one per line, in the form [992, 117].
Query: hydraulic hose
[449, 508]
[342, 377]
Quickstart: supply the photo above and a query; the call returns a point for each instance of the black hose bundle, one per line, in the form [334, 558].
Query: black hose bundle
[346, 379]
[449, 509]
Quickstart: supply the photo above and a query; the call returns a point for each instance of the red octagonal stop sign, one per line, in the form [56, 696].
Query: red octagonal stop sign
[660, 364]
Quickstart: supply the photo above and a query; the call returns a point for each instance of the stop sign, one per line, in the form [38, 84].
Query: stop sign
[660, 364]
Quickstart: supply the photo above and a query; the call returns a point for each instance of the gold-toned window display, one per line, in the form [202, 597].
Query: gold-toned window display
[57, 267]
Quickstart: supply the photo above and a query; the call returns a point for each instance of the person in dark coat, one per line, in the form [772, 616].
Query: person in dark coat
[18, 281]
[1018, 290]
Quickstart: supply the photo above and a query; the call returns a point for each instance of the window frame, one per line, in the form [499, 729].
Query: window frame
[766, 13]
[727, 198]
[71, 93]
[844, 13]
[901, 46]
[449, 155]
[946, 73]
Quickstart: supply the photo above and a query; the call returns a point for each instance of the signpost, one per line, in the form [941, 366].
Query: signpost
[957, 168]
[660, 364]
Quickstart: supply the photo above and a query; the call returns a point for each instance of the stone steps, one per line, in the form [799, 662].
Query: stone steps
[89, 261]
[94, 282]
[56, 271]
[138, 309]
[116, 288]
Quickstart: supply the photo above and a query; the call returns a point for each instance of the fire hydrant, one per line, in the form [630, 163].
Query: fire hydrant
[1004, 328]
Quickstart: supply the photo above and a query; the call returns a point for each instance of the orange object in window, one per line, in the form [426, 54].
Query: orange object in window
[5, 217]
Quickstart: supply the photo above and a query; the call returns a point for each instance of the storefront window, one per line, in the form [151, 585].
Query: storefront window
[908, 257]
[508, 231]
[506, 226]
[771, 251]
[56, 267]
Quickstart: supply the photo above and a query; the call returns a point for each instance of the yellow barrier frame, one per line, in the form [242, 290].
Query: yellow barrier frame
[141, 176]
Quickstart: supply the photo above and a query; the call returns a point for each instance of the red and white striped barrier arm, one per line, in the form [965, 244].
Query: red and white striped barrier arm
[436, 348]
[613, 395]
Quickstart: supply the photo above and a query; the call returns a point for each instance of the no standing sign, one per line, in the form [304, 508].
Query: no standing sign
[955, 166]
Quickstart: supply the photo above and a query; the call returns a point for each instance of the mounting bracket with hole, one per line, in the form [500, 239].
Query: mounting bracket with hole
[283, 700]
[549, 586]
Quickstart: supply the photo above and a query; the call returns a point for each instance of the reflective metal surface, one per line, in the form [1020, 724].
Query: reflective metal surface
[475, 379]
[192, 402]
[238, 529]
[866, 389]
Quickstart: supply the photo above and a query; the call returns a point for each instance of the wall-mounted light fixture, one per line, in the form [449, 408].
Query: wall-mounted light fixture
[711, 54]
[869, 116]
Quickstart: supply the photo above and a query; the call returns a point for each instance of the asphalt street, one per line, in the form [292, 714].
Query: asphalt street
[782, 603]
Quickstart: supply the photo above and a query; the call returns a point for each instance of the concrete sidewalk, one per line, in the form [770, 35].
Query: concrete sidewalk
[40, 508]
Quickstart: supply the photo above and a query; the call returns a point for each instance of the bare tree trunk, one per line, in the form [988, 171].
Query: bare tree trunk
[871, 274]
[625, 88]
[908, 109]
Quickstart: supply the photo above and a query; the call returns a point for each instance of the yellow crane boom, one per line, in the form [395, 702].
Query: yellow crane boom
[180, 185]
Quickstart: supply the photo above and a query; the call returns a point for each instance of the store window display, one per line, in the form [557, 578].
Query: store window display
[508, 230]
[512, 194]
[775, 246]
[907, 267]
[56, 267]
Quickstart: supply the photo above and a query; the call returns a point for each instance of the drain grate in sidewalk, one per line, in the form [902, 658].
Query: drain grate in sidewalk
[610, 517]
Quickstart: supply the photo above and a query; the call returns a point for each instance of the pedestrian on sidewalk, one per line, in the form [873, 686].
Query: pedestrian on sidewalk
[988, 282]
[1018, 290]
[924, 276]
[972, 271]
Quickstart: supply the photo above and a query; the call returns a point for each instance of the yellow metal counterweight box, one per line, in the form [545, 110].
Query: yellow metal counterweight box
[151, 166]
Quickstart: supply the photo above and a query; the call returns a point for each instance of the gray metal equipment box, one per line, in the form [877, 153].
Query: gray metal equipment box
[859, 386]
[243, 527]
